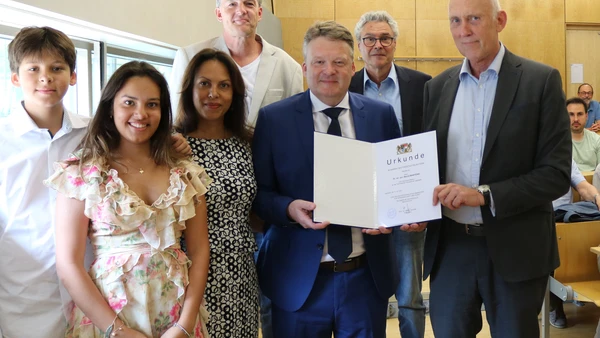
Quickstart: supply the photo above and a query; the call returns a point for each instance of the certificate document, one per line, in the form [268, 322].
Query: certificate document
[369, 185]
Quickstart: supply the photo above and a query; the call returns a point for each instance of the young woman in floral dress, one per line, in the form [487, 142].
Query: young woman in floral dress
[127, 192]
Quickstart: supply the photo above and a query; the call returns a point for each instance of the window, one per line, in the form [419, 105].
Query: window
[100, 52]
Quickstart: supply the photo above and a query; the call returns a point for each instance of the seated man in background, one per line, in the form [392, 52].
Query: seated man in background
[588, 192]
[586, 93]
[586, 144]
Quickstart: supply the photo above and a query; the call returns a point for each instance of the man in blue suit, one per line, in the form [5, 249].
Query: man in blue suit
[322, 278]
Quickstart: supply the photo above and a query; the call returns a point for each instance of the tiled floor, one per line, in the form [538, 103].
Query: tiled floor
[582, 324]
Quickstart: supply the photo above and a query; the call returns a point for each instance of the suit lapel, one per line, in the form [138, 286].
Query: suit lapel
[406, 99]
[359, 118]
[220, 45]
[357, 84]
[508, 81]
[266, 69]
[446, 105]
[306, 126]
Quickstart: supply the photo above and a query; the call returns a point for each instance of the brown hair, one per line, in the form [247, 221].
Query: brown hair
[577, 100]
[35, 41]
[330, 30]
[102, 137]
[235, 118]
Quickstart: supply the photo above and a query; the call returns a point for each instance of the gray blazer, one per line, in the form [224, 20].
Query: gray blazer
[279, 76]
[526, 162]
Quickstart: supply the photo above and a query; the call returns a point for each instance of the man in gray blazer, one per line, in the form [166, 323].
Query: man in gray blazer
[269, 72]
[376, 33]
[505, 154]
[270, 75]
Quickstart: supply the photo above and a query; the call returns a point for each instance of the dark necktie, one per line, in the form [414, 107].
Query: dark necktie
[339, 240]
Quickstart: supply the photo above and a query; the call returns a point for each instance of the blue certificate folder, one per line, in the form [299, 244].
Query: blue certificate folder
[369, 185]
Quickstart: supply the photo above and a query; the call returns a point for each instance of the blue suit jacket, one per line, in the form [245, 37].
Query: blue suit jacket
[283, 149]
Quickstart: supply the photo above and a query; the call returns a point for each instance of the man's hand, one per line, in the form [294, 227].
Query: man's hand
[301, 212]
[414, 227]
[379, 231]
[454, 196]
[595, 127]
[180, 145]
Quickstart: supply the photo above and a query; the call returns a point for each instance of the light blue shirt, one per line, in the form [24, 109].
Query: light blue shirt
[468, 130]
[388, 92]
[576, 178]
[593, 113]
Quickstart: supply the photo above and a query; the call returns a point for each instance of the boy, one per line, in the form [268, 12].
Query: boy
[40, 132]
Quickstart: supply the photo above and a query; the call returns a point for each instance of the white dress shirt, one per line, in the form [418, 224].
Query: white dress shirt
[322, 122]
[31, 303]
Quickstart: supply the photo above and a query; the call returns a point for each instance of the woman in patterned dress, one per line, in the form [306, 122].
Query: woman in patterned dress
[213, 117]
[141, 284]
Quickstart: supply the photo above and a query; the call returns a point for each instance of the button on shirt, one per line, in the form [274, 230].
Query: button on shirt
[30, 297]
[321, 122]
[388, 92]
[468, 130]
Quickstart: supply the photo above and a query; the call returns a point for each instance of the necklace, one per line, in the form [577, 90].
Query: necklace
[140, 169]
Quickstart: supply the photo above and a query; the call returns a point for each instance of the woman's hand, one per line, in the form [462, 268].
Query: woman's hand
[175, 332]
[126, 332]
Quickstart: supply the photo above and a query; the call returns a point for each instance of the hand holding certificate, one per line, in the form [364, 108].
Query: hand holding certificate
[370, 185]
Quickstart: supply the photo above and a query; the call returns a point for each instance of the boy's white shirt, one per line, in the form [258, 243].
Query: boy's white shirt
[32, 303]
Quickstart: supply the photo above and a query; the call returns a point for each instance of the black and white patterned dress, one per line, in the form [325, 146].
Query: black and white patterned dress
[232, 289]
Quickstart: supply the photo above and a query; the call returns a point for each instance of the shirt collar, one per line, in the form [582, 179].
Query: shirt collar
[494, 66]
[391, 75]
[318, 105]
[23, 123]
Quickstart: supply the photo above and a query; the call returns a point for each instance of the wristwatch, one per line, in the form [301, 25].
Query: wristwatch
[485, 191]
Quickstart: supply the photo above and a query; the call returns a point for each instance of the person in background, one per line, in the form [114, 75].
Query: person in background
[377, 33]
[586, 144]
[269, 73]
[585, 91]
[141, 284]
[588, 192]
[212, 116]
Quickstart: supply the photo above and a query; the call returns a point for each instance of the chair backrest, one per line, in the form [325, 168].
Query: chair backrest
[577, 263]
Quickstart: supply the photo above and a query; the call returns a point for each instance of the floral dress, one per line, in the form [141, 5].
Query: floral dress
[139, 267]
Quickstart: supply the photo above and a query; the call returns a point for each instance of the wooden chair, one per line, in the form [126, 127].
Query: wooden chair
[577, 277]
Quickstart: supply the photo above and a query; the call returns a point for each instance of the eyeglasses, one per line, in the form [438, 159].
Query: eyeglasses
[385, 41]
[586, 93]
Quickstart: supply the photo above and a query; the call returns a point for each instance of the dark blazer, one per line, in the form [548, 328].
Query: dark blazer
[283, 154]
[411, 83]
[526, 162]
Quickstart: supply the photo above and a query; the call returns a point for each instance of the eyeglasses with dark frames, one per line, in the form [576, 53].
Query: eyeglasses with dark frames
[385, 41]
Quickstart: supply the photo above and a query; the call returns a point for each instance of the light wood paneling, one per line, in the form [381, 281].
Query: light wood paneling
[432, 10]
[583, 47]
[434, 68]
[296, 16]
[577, 263]
[319, 9]
[353, 9]
[582, 11]
[548, 46]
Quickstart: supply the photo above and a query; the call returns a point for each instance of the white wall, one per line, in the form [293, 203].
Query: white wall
[177, 22]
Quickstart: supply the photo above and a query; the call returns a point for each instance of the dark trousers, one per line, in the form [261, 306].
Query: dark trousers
[464, 278]
[346, 304]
